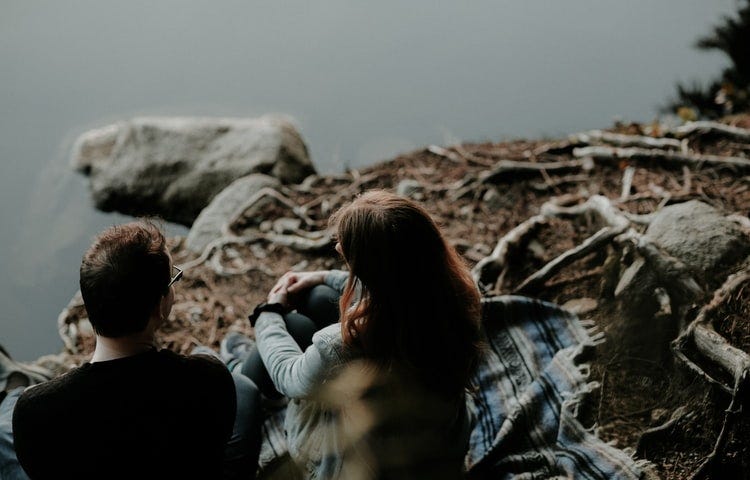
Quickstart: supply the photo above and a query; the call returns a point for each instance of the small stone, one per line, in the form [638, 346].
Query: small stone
[493, 200]
[537, 249]
[196, 314]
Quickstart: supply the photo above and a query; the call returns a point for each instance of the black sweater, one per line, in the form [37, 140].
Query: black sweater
[152, 415]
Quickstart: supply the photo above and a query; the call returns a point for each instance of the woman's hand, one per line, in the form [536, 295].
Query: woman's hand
[279, 295]
[295, 282]
[292, 283]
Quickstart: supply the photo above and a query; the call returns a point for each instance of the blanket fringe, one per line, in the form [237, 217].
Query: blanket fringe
[598, 338]
[592, 331]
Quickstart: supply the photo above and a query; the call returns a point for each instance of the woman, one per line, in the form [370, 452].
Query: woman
[410, 311]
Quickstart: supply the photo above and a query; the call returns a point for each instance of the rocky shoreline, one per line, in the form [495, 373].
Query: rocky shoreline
[606, 223]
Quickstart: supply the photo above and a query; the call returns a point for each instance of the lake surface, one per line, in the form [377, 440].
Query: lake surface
[365, 81]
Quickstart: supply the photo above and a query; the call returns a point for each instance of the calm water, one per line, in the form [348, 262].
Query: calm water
[365, 80]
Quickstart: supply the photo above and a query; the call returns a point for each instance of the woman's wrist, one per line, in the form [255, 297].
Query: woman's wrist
[270, 306]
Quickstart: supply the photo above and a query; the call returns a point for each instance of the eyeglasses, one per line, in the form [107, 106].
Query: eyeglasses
[177, 275]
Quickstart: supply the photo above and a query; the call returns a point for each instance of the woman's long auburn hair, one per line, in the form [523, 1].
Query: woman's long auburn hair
[418, 308]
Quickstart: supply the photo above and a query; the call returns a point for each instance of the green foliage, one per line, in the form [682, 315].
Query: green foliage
[730, 93]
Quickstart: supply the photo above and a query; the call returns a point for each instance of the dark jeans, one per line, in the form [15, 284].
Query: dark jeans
[10, 469]
[243, 448]
[316, 309]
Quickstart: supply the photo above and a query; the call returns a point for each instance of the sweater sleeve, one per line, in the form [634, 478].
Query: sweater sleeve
[296, 374]
[336, 279]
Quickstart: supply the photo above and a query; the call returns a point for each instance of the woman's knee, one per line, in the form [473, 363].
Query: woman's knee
[321, 305]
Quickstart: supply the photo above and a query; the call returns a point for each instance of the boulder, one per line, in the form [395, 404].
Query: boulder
[699, 235]
[223, 207]
[693, 232]
[173, 166]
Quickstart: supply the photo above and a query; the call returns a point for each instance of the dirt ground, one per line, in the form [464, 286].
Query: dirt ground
[635, 393]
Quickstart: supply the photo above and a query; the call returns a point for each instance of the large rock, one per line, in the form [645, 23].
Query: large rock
[223, 207]
[174, 166]
[693, 232]
[699, 235]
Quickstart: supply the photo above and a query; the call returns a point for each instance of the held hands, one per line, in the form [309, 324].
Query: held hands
[292, 283]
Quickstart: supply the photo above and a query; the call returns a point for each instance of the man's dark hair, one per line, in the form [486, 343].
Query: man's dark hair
[124, 274]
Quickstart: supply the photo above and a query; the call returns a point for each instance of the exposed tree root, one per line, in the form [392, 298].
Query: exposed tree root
[672, 272]
[253, 203]
[617, 223]
[643, 154]
[591, 244]
[722, 129]
[620, 140]
[461, 157]
[627, 183]
[711, 346]
[597, 204]
[327, 204]
[489, 271]
[556, 183]
[300, 241]
[512, 168]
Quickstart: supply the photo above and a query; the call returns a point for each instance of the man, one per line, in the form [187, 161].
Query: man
[135, 411]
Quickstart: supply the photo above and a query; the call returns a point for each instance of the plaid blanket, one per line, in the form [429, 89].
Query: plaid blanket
[525, 400]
